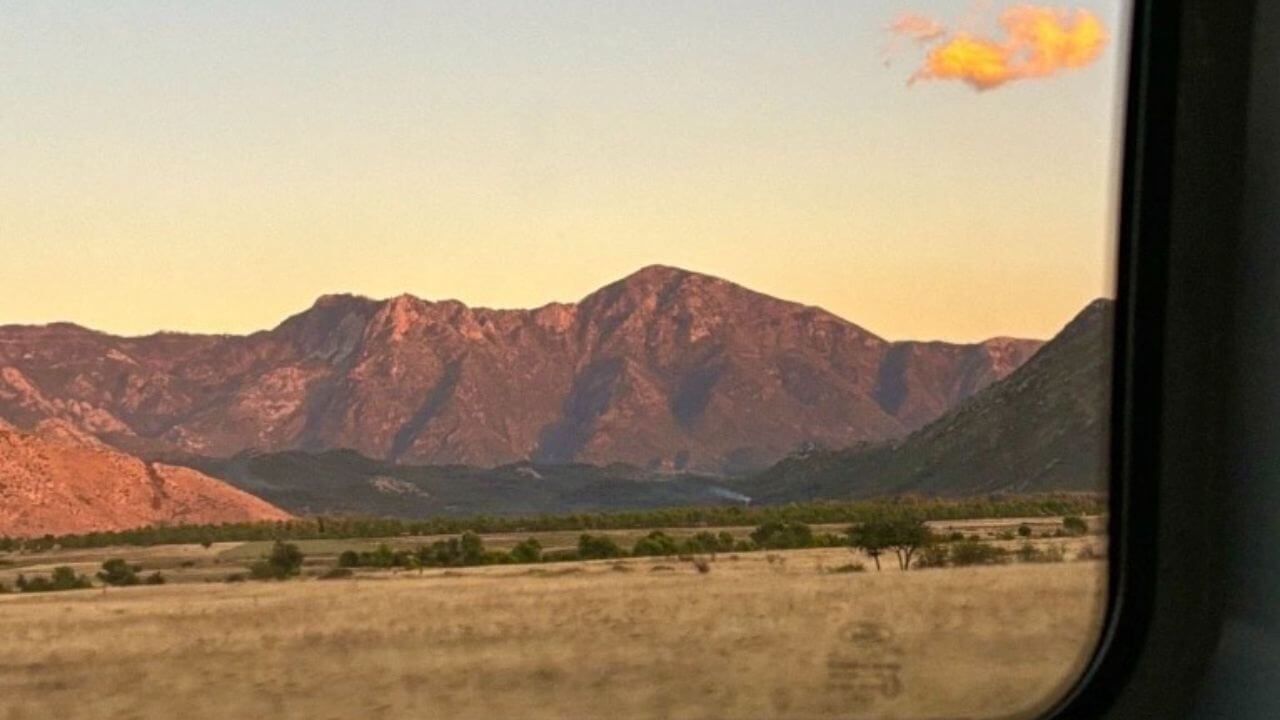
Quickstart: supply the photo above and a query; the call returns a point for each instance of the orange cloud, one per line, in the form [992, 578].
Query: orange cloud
[920, 28]
[1038, 42]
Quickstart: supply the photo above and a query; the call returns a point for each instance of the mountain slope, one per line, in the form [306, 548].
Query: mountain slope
[60, 481]
[1043, 428]
[665, 369]
[343, 482]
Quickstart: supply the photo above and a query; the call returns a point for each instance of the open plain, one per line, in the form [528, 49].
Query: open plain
[786, 634]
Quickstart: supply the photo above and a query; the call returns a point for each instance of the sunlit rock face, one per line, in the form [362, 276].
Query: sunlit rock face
[665, 369]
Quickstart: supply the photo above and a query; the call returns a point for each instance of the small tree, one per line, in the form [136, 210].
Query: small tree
[903, 535]
[528, 551]
[871, 538]
[284, 561]
[349, 559]
[598, 547]
[472, 548]
[1024, 530]
[119, 573]
[783, 535]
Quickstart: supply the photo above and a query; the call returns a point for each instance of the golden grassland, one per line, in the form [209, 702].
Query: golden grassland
[759, 635]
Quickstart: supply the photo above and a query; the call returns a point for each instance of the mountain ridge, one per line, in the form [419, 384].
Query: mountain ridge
[665, 368]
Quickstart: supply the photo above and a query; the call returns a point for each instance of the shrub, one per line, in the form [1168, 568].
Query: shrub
[284, 561]
[119, 573]
[849, 568]
[971, 552]
[1024, 530]
[1074, 525]
[235, 578]
[782, 535]
[528, 551]
[1005, 535]
[464, 550]
[349, 559]
[656, 543]
[562, 555]
[62, 578]
[934, 556]
[707, 542]
[955, 537]
[598, 547]
[155, 578]
[702, 564]
[1031, 554]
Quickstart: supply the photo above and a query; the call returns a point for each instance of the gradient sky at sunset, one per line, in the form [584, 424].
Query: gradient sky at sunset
[216, 166]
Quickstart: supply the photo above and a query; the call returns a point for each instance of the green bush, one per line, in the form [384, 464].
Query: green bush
[1074, 525]
[1024, 530]
[782, 535]
[527, 551]
[971, 552]
[349, 559]
[598, 547]
[119, 573]
[656, 543]
[283, 562]
[62, 578]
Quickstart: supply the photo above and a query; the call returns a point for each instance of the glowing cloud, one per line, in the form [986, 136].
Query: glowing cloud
[920, 28]
[1038, 42]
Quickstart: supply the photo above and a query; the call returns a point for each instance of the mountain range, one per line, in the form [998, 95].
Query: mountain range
[666, 370]
[1041, 429]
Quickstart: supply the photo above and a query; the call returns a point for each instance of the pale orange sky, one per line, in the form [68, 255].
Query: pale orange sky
[216, 169]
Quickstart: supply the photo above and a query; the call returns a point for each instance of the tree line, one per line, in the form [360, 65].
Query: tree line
[817, 512]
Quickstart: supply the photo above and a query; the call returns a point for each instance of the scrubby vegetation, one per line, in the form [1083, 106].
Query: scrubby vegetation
[972, 552]
[1073, 505]
[284, 561]
[1074, 525]
[62, 578]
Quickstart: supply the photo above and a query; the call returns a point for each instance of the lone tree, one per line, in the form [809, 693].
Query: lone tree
[902, 535]
[284, 561]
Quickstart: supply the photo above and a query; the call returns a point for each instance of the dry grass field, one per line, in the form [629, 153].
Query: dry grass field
[760, 635]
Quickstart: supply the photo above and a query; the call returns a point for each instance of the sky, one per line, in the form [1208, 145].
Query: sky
[214, 167]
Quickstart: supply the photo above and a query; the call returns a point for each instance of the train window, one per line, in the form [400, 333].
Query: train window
[561, 359]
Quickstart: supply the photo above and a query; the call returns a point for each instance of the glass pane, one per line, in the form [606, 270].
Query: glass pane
[561, 359]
